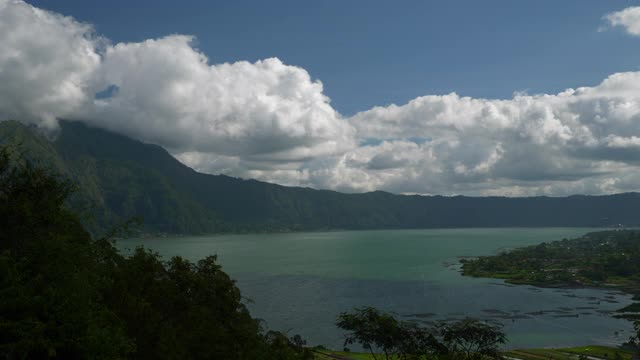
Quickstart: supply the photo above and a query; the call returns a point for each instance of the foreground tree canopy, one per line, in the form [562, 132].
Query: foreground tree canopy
[381, 333]
[65, 295]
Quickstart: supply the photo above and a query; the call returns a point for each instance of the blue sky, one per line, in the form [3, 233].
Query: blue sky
[509, 98]
[370, 53]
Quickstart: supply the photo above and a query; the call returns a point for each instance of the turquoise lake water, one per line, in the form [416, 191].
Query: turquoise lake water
[300, 282]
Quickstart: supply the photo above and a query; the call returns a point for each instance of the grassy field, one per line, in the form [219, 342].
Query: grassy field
[600, 352]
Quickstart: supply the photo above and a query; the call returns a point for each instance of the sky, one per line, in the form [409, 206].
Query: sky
[428, 97]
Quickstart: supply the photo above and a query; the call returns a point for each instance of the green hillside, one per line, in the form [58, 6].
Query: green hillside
[119, 178]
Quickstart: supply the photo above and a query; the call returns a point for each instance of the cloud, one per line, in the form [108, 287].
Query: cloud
[271, 121]
[167, 93]
[162, 91]
[46, 63]
[629, 19]
[547, 144]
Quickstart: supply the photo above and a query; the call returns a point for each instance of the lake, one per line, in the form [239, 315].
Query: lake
[300, 282]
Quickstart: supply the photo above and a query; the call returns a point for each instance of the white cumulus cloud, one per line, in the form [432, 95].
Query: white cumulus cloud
[271, 121]
[538, 142]
[168, 93]
[46, 63]
[629, 19]
[162, 91]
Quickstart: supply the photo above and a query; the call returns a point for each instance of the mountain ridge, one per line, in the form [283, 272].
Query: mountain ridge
[122, 177]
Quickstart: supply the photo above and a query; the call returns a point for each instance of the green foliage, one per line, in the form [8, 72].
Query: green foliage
[64, 295]
[51, 302]
[633, 308]
[374, 330]
[634, 339]
[119, 177]
[603, 259]
[381, 333]
[473, 339]
[280, 347]
[606, 257]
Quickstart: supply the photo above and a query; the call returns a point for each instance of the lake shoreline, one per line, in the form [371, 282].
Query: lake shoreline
[555, 262]
[152, 235]
[627, 315]
[317, 275]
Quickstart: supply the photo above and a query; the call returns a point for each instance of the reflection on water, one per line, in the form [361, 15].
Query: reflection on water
[301, 282]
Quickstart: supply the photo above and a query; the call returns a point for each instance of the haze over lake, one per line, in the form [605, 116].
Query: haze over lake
[302, 281]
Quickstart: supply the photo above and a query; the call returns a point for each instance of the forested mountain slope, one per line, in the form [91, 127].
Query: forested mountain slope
[119, 177]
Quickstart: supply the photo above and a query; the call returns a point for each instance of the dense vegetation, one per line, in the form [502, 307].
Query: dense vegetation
[119, 178]
[65, 295]
[381, 333]
[598, 259]
[609, 258]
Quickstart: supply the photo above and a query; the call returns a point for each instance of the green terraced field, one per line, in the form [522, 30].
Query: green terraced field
[600, 352]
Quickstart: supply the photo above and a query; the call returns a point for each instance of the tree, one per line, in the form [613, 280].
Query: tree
[634, 340]
[379, 331]
[281, 347]
[372, 329]
[50, 278]
[421, 343]
[473, 339]
[64, 295]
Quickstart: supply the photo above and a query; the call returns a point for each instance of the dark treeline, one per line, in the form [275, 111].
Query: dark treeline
[386, 337]
[610, 258]
[64, 295]
[120, 178]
